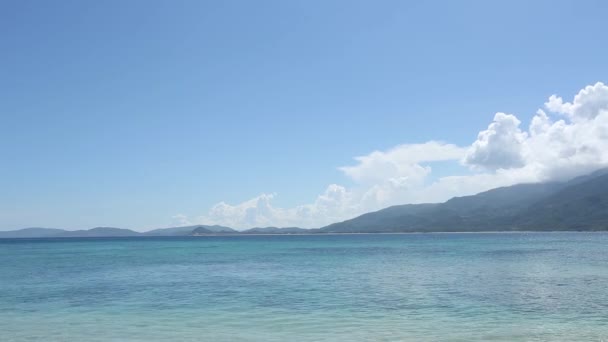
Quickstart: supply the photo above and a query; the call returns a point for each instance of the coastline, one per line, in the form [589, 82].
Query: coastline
[304, 234]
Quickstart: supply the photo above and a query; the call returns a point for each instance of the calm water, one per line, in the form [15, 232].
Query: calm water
[419, 287]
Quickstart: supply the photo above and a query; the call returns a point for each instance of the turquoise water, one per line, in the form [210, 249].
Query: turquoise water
[416, 287]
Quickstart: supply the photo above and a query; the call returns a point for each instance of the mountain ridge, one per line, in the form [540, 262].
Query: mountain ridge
[578, 204]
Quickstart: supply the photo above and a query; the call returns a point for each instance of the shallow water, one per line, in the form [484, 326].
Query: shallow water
[408, 287]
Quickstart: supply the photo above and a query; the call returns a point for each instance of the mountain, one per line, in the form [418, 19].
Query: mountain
[99, 232]
[32, 233]
[579, 204]
[188, 230]
[218, 229]
[214, 230]
[53, 232]
[174, 231]
[393, 219]
[277, 230]
[203, 230]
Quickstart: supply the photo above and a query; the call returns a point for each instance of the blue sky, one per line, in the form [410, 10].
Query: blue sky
[128, 113]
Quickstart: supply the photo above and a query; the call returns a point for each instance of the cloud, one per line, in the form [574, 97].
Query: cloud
[587, 104]
[570, 140]
[565, 148]
[498, 147]
[564, 140]
[401, 162]
[333, 204]
[254, 212]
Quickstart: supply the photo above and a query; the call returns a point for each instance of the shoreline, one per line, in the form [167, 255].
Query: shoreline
[403, 233]
[301, 234]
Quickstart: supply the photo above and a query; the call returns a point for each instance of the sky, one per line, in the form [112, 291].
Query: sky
[147, 114]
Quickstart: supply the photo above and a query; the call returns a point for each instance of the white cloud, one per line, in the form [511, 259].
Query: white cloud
[254, 212]
[332, 205]
[553, 148]
[568, 140]
[570, 147]
[498, 147]
[401, 162]
[587, 104]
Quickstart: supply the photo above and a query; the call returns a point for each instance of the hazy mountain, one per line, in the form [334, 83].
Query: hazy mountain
[174, 231]
[202, 230]
[31, 233]
[187, 230]
[392, 219]
[277, 230]
[100, 232]
[219, 229]
[579, 204]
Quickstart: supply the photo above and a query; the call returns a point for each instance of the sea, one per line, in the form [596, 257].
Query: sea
[382, 287]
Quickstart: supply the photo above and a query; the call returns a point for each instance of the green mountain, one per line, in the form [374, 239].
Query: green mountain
[579, 204]
[393, 219]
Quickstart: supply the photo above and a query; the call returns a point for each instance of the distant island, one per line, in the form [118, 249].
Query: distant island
[580, 204]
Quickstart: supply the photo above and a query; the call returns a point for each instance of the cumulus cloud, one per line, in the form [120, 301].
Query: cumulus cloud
[500, 146]
[587, 104]
[568, 140]
[332, 205]
[563, 140]
[577, 144]
[254, 212]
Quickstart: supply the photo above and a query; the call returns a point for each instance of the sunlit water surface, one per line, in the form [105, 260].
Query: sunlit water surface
[409, 287]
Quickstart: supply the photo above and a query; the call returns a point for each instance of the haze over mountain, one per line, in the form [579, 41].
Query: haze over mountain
[32, 233]
[277, 230]
[187, 230]
[99, 232]
[578, 204]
